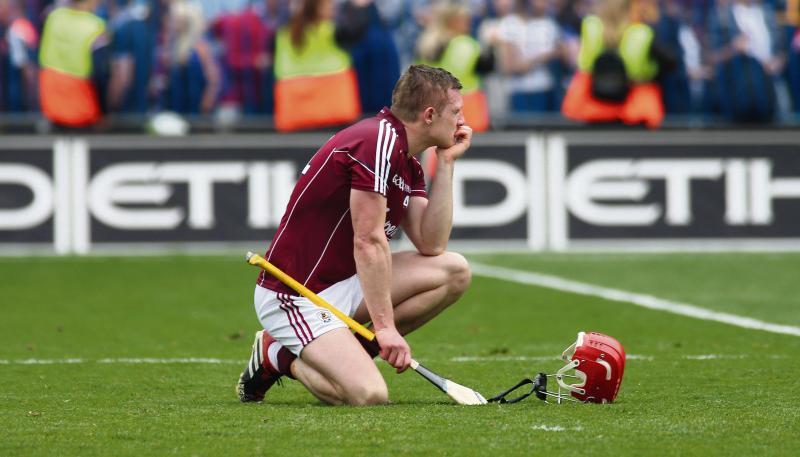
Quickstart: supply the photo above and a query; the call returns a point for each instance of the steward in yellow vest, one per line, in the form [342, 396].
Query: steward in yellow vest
[461, 58]
[315, 84]
[68, 95]
[446, 44]
[617, 84]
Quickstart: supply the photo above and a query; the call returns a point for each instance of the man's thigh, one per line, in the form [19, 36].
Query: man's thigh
[339, 358]
[413, 273]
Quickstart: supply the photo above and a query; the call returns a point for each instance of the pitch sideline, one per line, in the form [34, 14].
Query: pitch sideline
[458, 359]
[643, 300]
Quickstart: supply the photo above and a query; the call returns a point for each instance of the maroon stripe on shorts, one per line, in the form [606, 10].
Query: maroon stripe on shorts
[303, 318]
[297, 316]
[289, 315]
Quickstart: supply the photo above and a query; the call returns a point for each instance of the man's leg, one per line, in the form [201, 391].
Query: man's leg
[423, 286]
[336, 370]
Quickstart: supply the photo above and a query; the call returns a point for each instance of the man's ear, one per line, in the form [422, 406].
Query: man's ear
[427, 115]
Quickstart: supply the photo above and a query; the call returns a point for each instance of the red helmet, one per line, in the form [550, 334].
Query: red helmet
[599, 363]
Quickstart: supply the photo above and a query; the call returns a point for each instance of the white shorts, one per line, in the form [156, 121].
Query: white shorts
[296, 321]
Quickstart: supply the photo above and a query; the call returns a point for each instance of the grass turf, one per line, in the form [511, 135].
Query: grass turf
[741, 401]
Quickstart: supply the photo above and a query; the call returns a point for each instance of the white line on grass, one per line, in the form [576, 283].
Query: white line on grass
[460, 359]
[43, 361]
[125, 361]
[646, 301]
[151, 360]
[646, 358]
[556, 428]
[526, 358]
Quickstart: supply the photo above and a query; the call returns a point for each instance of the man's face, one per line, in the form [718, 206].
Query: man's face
[446, 122]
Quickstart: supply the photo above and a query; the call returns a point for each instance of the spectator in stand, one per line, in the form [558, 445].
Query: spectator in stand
[697, 70]
[745, 45]
[274, 12]
[530, 44]
[375, 59]
[316, 85]
[698, 13]
[678, 38]
[793, 68]
[569, 17]
[20, 72]
[72, 59]
[408, 19]
[33, 10]
[495, 83]
[645, 11]
[213, 9]
[247, 54]
[132, 46]
[619, 61]
[194, 77]
[446, 43]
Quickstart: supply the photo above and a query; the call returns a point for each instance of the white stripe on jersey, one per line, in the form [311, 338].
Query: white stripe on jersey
[384, 158]
[326, 246]
[378, 155]
[382, 165]
[388, 162]
[361, 163]
[387, 135]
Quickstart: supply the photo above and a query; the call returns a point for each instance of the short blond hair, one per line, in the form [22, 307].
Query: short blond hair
[419, 87]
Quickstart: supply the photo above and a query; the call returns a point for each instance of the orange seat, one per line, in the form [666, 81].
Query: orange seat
[643, 105]
[316, 101]
[68, 100]
[476, 111]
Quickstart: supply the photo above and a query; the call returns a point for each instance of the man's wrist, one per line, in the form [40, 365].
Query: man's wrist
[384, 328]
[446, 160]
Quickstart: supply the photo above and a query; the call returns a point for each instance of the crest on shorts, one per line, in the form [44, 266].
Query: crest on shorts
[325, 316]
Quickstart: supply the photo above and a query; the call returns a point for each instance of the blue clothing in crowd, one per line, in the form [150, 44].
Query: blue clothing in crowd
[377, 64]
[133, 39]
[186, 84]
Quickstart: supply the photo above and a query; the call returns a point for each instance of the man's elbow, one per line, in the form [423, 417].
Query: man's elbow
[368, 242]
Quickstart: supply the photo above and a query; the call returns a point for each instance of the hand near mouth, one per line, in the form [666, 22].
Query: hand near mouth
[461, 142]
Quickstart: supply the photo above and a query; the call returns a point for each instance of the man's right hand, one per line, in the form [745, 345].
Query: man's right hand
[461, 142]
[394, 348]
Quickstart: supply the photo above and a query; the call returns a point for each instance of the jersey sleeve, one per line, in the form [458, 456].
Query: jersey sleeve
[417, 179]
[370, 159]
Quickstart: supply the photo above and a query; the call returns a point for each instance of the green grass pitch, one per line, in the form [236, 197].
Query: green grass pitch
[131, 326]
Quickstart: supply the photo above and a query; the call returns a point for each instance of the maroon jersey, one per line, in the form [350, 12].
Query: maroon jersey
[314, 242]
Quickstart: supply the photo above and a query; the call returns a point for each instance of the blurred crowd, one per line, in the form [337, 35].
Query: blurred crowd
[731, 59]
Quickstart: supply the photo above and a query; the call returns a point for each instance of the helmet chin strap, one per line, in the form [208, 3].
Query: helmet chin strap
[538, 388]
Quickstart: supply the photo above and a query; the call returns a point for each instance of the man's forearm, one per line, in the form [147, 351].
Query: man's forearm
[437, 219]
[373, 264]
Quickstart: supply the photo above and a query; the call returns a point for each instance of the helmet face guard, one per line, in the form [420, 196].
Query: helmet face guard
[593, 373]
[598, 363]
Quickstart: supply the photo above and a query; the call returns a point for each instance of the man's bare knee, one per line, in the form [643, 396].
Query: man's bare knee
[460, 275]
[367, 394]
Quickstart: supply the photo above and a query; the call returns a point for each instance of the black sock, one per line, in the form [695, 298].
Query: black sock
[371, 347]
